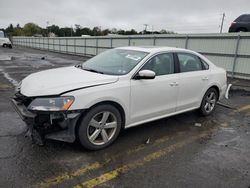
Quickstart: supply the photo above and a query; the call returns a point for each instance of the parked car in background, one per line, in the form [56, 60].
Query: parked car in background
[4, 42]
[240, 24]
[119, 88]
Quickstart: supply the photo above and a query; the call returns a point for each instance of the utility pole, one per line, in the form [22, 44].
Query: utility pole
[146, 26]
[71, 31]
[222, 22]
[47, 28]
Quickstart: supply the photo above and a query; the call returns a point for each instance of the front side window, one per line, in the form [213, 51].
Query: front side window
[114, 62]
[189, 62]
[161, 64]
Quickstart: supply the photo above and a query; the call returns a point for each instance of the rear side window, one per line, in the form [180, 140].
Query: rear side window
[189, 62]
[204, 64]
[243, 18]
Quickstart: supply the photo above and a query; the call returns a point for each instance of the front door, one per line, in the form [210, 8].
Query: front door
[152, 98]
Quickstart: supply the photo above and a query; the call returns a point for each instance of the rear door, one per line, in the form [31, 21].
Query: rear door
[193, 81]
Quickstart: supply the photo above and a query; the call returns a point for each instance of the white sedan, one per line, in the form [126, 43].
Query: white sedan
[119, 88]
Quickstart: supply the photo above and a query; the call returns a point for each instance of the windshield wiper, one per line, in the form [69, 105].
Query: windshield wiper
[93, 70]
[78, 66]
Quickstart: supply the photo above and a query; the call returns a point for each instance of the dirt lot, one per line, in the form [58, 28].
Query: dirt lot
[179, 153]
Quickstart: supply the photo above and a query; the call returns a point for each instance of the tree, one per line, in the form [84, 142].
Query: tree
[131, 32]
[65, 32]
[106, 32]
[78, 30]
[9, 30]
[164, 31]
[96, 31]
[31, 29]
[86, 31]
[121, 32]
[18, 31]
[54, 29]
[114, 31]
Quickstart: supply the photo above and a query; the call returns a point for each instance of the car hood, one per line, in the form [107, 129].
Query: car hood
[61, 80]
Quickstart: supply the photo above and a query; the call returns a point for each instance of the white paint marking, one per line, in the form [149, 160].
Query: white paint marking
[5, 58]
[9, 78]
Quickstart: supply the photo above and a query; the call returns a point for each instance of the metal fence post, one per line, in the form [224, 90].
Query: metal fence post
[75, 45]
[111, 42]
[186, 42]
[59, 43]
[154, 41]
[39, 43]
[96, 43]
[85, 46]
[48, 43]
[66, 45]
[53, 44]
[129, 41]
[235, 55]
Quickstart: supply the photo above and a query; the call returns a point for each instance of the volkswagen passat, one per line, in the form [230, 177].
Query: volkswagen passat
[119, 88]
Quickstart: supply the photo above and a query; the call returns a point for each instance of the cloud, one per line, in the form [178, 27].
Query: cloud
[180, 16]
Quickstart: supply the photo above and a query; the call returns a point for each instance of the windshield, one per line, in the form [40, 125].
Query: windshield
[114, 62]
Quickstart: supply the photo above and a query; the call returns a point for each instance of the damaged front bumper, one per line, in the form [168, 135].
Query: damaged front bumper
[48, 125]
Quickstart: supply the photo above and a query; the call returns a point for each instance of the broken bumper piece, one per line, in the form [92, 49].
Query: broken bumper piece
[48, 125]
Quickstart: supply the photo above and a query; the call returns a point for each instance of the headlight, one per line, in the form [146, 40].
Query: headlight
[51, 104]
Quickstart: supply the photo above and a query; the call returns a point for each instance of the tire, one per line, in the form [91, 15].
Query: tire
[99, 127]
[4, 45]
[10, 46]
[209, 101]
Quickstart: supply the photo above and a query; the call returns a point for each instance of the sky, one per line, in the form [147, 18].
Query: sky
[186, 16]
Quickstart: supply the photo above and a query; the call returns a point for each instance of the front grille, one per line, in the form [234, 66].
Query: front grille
[23, 99]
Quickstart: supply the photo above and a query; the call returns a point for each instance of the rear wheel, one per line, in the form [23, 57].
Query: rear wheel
[209, 102]
[99, 127]
[4, 45]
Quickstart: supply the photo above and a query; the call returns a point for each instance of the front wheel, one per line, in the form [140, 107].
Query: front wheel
[209, 102]
[99, 127]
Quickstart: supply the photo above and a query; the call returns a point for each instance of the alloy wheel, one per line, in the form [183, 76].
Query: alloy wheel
[102, 128]
[210, 102]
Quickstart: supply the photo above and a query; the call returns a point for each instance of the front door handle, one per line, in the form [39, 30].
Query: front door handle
[205, 78]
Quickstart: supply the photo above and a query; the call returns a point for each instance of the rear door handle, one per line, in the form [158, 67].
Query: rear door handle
[174, 84]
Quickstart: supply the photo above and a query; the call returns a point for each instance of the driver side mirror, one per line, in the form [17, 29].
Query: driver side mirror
[145, 74]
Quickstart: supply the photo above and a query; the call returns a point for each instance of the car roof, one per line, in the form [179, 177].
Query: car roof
[154, 49]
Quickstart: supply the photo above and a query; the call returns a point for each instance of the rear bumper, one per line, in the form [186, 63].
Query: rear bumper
[223, 91]
[49, 125]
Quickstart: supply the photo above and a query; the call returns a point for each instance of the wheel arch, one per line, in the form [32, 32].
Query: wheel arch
[110, 102]
[216, 88]
[211, 86]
